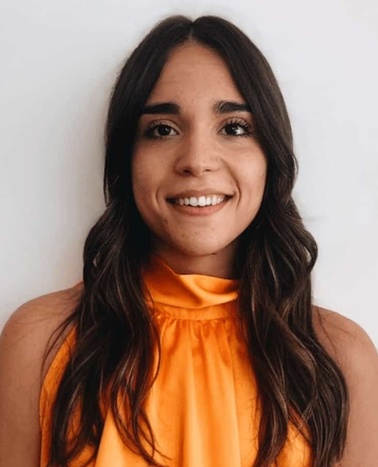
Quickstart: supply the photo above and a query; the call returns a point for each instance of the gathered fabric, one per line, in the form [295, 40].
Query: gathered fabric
[203, 406]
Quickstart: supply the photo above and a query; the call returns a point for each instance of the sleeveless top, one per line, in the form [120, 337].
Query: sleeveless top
[203, 405]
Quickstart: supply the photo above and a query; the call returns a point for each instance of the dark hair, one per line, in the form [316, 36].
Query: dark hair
[298, 381]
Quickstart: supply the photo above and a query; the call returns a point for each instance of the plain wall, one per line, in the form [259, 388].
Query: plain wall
[59, 61]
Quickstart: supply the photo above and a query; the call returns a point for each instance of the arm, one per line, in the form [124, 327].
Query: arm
[20, 380]
[23, 344]
[357, 357]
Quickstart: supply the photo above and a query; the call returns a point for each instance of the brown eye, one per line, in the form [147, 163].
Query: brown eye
[233, 129]
[163, 130]
[236, 129]
[160, 130]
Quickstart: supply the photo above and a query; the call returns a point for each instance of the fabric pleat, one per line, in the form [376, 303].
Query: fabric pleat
[203, 405]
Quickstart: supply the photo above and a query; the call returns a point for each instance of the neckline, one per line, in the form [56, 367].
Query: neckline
[191, 291]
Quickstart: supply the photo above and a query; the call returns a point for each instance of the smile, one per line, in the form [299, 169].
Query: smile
[201, 201]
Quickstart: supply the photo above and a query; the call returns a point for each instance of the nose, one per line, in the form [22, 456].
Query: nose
[197, 155]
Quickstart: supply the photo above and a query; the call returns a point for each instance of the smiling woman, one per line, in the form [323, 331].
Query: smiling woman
[192, 340]
[198, 168]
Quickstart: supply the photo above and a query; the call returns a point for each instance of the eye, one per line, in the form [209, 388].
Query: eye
[236, 128]
[159, 130]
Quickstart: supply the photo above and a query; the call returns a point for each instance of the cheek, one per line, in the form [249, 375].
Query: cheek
[260, 183]
[142, 178]
[253, 178]
[146, 182]
[143, 193]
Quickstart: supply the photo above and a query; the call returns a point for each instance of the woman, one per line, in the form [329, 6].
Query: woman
[192, 340]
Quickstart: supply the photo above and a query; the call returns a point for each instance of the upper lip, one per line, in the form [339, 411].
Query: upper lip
[198, 193]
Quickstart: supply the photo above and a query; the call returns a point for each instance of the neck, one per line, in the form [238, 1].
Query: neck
[220, 264]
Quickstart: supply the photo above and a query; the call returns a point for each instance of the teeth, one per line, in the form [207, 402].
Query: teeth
[201, 201]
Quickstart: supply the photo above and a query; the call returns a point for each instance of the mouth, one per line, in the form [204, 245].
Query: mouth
[199, 201]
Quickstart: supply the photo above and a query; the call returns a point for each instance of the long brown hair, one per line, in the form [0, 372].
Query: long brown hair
[116, 339]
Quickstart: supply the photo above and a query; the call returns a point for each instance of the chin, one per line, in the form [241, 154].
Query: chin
[195, 249]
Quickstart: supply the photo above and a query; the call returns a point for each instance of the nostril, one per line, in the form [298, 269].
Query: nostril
[195, 170]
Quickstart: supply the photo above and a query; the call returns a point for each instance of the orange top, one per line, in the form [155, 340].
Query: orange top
[202, 406]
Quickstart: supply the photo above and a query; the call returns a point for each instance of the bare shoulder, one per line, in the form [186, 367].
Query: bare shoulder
[27, 333]
[344, 339]
[46, 307]
[357, 357]
[23, 344]
[30, 327]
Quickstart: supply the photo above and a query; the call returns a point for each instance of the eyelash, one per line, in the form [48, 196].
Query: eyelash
[149, 132]
[242, 123]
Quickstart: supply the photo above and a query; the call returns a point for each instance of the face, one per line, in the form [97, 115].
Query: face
[198, 170]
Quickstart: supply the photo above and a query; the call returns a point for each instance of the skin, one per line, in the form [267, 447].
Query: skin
[23, 344]
[198, 151]
[197, 155]
[357, 357]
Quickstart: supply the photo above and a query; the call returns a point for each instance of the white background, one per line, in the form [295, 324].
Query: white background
[58, 63]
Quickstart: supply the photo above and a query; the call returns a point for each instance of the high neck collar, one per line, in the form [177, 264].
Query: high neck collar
[193, 291]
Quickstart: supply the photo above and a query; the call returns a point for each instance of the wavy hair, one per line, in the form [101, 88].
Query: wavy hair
[116, 339]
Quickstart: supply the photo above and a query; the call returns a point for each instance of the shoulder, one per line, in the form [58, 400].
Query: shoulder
[28, 331]
[27, 335]
[46, 307]
[345, 340]
[23, 345]
[32, 324]
[352, 349]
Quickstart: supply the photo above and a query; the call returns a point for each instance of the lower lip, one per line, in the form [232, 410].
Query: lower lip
[199, 211]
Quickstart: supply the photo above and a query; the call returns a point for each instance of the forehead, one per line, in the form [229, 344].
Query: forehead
[194, 71]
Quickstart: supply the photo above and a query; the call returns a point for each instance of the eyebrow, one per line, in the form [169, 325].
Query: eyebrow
[224, 107]
[170, 108]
